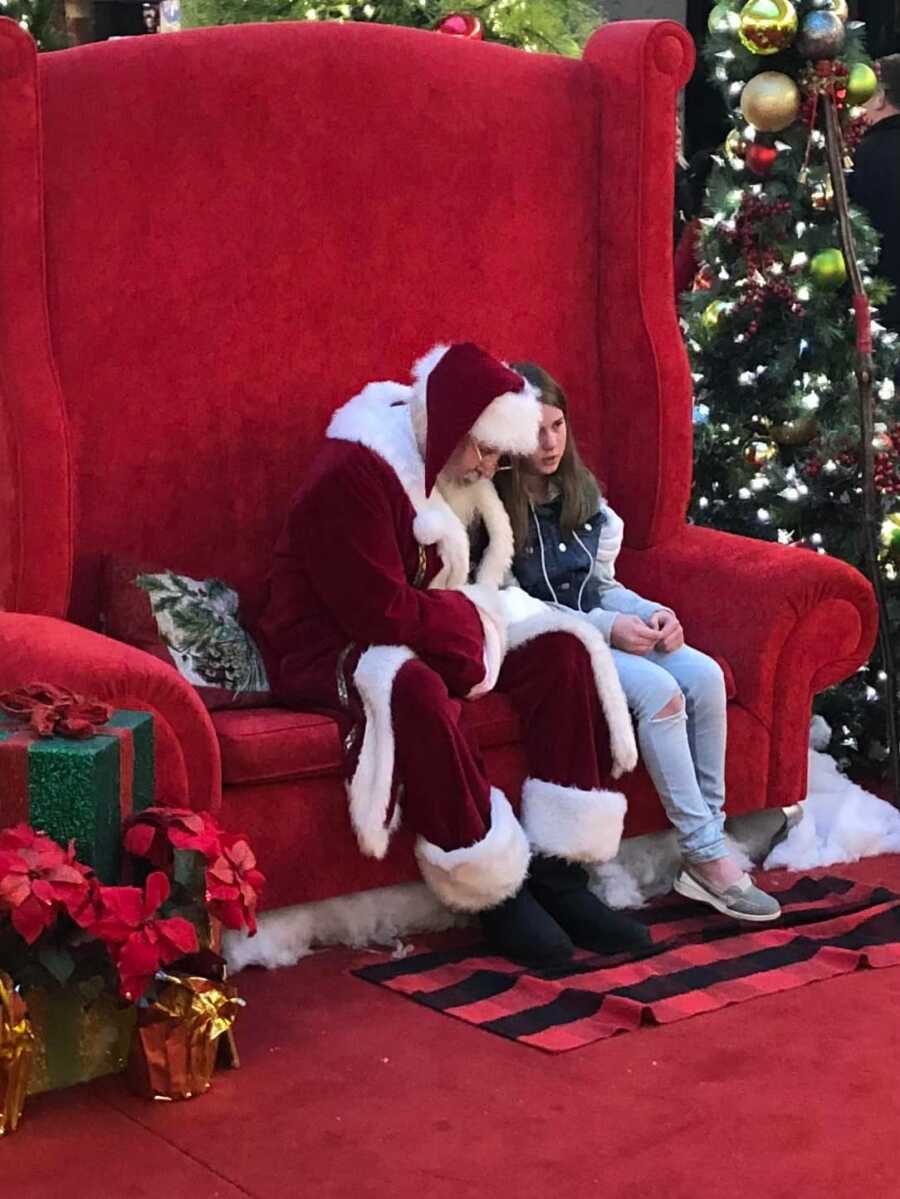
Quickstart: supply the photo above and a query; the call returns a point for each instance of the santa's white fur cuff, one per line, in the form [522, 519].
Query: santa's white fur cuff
[482, 875]
[566, 822]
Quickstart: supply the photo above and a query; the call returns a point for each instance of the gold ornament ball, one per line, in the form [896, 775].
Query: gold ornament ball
[758, 453]
[723, 20]
[796, 432]
[770, 101]
[735, 148]
[828, 268]
[767, 26]
[862, 84]
[840, 8]
[711, 315]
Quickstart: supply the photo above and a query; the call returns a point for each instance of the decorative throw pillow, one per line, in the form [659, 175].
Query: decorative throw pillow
[191, 623]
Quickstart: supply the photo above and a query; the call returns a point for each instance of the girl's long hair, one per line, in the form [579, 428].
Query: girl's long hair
[578, 487]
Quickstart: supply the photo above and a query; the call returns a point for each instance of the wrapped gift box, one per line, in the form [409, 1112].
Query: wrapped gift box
[79, 788]
[81, 1032]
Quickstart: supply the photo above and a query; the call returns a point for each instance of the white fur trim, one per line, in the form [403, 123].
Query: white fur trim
[370, 788]
[431, 526]
[496, 561]
[380, 917]
[482, 875]
[511, 422]
[423, 367]
[566, 822]
[606, 678]
[490, 607]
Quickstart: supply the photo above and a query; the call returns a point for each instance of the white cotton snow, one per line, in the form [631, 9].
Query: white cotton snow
[381, 917]
[841, 822]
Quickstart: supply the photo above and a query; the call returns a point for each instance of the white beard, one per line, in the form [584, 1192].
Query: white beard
[462, 498]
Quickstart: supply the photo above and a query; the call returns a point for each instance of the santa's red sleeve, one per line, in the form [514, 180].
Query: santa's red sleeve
[347, 534]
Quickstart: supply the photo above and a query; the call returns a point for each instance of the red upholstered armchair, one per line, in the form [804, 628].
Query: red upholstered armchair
[211, 239]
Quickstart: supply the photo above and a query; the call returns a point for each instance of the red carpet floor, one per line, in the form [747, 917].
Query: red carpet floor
[349, 1091]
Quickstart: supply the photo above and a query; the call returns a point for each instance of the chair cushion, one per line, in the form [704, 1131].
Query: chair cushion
[261, 745]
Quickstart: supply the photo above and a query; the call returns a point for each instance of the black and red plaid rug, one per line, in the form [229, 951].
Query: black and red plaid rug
[700, 961]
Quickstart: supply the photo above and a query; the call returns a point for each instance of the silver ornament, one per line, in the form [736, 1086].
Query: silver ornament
[822, 35]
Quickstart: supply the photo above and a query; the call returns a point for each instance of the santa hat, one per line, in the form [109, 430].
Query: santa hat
[464, 390]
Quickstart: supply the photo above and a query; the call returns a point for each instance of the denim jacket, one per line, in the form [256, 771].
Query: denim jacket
[578, 572]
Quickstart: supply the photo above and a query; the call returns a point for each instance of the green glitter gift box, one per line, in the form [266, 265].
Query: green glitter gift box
[84, 789]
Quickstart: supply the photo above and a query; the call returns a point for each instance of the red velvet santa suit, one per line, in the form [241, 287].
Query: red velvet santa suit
[370, 619]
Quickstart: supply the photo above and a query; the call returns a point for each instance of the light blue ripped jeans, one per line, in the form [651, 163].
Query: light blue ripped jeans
[685, 753]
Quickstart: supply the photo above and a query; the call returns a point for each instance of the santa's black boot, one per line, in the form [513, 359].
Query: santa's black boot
[522, 930]
[561, 889]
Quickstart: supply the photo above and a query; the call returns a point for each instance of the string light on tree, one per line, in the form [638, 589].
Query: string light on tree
[771, 328]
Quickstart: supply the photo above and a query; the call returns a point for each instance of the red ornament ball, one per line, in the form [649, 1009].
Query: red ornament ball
[760, 159]
[461, 24]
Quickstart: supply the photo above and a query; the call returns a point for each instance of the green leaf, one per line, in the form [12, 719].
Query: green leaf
[58, 963]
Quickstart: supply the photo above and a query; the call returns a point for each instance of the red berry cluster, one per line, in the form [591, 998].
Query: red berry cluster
[855, 132]
[887, 465]
[759, 258]
[813, 468]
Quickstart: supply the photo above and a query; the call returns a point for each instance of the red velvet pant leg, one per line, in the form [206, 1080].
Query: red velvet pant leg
[550, 683]
[446, 795]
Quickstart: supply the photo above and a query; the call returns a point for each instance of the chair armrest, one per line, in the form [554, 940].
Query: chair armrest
[781, 616]
[44, 649]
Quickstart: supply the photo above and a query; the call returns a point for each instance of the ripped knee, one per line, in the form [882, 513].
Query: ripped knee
[675, 707]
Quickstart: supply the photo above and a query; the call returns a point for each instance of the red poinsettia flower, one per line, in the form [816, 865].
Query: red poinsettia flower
[39, 879]
[155, 832]
[139, 944]
[233, 884]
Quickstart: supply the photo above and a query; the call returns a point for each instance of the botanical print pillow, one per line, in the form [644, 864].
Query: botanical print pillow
[197, 622]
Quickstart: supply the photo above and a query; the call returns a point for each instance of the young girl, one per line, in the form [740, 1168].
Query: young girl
[566, 542]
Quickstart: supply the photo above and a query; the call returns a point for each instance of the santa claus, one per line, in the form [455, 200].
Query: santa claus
[373, 618]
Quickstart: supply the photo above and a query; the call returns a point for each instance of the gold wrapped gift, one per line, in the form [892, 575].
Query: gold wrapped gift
[177, 1037]
[16, 1049]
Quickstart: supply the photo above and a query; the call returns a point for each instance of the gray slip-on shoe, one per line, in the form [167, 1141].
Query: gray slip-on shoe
[742, 900]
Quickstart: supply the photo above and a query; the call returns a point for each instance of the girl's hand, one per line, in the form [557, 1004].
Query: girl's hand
[631, 634]
[667, 625]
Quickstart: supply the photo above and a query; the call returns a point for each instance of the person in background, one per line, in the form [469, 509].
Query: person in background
[874, 182]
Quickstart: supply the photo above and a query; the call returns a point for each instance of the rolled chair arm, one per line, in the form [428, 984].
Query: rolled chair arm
[748, 600]
[46, 650]
[788, 622]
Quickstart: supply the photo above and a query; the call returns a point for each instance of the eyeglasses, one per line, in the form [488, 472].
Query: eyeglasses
[489, 452]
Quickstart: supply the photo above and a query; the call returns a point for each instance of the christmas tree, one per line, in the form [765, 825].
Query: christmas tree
[44, 19]
[553, 26]
[774, 330]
